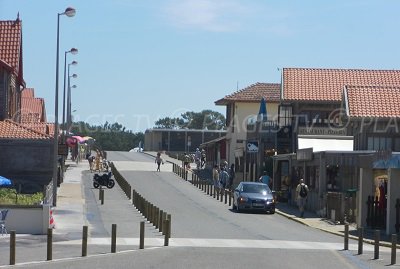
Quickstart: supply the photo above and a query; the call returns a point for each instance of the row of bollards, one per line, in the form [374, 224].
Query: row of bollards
[181, 172]
[377, 235]
[152, 213]
[207, 187]
[49, 249]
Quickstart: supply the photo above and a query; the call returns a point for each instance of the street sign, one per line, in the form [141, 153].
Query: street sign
[252, 146]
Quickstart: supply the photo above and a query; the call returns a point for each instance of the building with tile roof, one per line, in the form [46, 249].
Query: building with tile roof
[12, 130]
[32, 108]
[11, 69]
[242, 109]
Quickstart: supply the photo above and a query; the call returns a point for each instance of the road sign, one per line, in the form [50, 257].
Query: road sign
[252, 146]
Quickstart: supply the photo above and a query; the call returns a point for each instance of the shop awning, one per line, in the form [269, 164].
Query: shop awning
[339, 143]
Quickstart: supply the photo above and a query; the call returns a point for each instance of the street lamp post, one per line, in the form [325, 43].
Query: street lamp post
[69, 122]
[73, 51]
[69, 12]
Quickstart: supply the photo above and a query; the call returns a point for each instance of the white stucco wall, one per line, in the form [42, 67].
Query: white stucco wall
[242, 113]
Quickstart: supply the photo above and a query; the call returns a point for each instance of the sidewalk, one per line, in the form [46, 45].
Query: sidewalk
[310, 219]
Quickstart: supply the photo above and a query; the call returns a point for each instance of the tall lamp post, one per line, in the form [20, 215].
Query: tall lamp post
[66, 97]
[69, 12]
[69, 122]
[73, 51]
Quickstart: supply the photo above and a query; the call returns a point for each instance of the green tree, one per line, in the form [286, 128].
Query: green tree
[206, 119]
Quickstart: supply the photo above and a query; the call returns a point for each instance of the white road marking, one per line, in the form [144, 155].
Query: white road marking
[225, 243]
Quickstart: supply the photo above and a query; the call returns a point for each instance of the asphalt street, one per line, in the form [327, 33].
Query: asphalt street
[205, 232]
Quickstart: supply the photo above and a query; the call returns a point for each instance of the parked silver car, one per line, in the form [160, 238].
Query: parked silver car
[253, 196]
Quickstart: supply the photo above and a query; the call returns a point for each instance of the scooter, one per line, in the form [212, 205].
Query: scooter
[103, 180]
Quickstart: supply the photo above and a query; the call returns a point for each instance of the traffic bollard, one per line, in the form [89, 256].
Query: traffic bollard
[113, 238]
[376, 248]
[160, 221]
[166, 235]
[217, 194]
[230, 198]
[208, 189]
[141, 244]
[393, 255]
[164, 217]
[84, 240]
[360, 240]
[12, 247]
[169, 225]
[226, 197]
[346, 236]
[102, 196]
[49, 244]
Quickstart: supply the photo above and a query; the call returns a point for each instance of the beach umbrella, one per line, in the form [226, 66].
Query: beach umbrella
[5, 182]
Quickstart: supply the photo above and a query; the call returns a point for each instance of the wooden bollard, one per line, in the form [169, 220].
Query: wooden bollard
[169, 225]
[160, 217]
[166, 235]
[49, 244]
[164, 217]
[346, 236]
[141, 243]
[230, 198]
[393, 252]
[84, 240]
[211, 189]
[226, 197]
[113, 238]
[377, 236]
[360, 240]
[12, 247]
[222, 194]
[217, 194]
[102, 196]
[156, 218]
[208, 189]
[186, 175]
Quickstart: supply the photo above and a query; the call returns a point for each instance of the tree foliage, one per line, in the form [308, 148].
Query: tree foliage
[206, 119]
[113, 137]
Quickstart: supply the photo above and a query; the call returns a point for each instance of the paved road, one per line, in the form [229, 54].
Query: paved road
[205, 232]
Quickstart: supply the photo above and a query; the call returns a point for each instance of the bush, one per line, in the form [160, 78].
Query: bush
[11, 197]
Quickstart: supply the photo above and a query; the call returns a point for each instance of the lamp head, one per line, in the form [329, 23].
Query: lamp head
[70, 11]
[74, 76]
[74, 63]
[74, 51]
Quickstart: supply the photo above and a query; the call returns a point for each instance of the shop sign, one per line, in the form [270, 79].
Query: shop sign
[252, 146]
[304, 154]
[321, 131]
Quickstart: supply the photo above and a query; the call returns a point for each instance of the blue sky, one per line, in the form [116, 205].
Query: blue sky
[139, 61]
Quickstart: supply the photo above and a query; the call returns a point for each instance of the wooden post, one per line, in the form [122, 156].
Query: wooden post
[12, 247]
[84, 240]
[49, 244]
[164, 217]
[166, 237]
[160, 228]
[393, 255]
[113, 238]
[230, 198]
[102, 196]
[346, 237]
[141, 244]
[377, 236]
[169, 225]
[360, 240]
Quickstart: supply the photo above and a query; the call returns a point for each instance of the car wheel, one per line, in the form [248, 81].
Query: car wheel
[96, 185]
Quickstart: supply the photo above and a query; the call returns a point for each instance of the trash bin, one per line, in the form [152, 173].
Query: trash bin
[335, 208]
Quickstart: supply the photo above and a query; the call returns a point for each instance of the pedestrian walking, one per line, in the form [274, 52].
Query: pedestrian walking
[231, 176]
[215, 175]
[159, 161]
[265, 178]
[223, 179]
[301, 194]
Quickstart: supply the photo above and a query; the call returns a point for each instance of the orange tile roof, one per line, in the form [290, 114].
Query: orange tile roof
[28, 92]
[41, 127]
[32, 109]
[11, 45]
[254, 93]
[372, 101]
[13, 130]
[309, 84]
